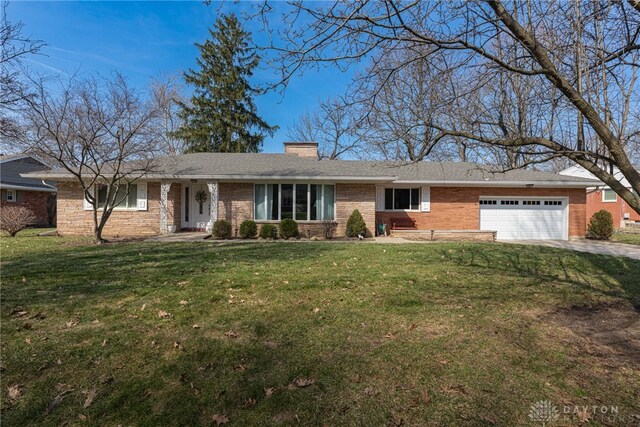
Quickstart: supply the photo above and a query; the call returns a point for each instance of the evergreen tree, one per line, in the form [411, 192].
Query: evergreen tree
[222, 116]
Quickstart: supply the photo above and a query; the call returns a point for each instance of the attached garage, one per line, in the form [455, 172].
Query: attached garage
[525, 218]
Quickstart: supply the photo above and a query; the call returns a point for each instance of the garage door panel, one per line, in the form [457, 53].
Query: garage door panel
[525, 220]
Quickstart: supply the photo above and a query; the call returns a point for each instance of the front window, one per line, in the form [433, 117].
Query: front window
[11, 196]
[121, 200]
[608, 195]
[399, 199]
[301, 202]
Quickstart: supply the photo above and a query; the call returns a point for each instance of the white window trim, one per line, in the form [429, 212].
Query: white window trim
[118, 208]
[393, 199]
[604, 200]
[13, 196]
[308, 184]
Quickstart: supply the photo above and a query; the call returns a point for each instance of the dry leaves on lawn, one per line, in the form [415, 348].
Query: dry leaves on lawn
[230, 334]
[220, 419]
[268, 392]
[248, 403]
[184, 302]
[54, 403]
[91, 395]
[163, 314]
[14, 392]
[302, 382]
[195, 326]
[390, 336]
[72, 323]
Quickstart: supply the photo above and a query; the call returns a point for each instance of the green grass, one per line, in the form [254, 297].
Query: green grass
[423, 334]
[628, 238]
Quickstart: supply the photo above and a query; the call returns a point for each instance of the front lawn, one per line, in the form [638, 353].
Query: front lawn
[628, 238]
[312, 333]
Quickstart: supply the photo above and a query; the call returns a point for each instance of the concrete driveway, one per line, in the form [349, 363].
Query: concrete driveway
[590, 246]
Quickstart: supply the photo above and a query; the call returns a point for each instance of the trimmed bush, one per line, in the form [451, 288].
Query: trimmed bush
[248, 229]
[356, 224]
[268, 231]
[288, 228]
[221, 229]
[600, 226]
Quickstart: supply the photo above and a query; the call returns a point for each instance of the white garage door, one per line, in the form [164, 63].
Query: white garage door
[516, 218]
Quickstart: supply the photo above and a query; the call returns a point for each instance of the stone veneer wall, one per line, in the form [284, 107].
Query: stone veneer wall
[236, 205]
[74, 220]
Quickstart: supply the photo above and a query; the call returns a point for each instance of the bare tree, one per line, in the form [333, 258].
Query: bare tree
[333, 126]
[168, 95]
[531, 44]
[14, 47]
[98, 130]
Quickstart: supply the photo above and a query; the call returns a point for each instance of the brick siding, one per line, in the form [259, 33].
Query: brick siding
[617, 209]
[36, 201]
[457, 208]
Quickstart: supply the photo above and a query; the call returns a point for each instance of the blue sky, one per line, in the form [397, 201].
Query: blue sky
[149, 39]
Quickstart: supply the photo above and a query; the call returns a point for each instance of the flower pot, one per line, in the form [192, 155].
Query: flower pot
[171, 228]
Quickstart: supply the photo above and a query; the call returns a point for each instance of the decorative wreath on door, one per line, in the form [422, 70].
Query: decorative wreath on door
[201, 197]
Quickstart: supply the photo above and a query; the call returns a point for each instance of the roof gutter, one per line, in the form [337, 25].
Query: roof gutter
[48, 189]
[526, 184]
[381, 179]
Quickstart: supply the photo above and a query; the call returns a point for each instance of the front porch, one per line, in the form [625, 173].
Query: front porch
[188, 205]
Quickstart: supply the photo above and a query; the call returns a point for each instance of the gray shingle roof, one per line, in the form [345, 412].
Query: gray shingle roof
[11, 168]
[249, 166]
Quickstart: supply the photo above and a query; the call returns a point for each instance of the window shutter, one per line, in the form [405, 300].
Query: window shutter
[142, 196]
[3, 195]
[426, 199]
[87, 205]
[379, 199]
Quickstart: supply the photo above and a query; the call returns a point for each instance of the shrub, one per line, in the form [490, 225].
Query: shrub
[221, 229]
[248, 229]
[15, 218]
[288, 228]
[329, 227]
[356, 225]
[268, 231]
[600, 226]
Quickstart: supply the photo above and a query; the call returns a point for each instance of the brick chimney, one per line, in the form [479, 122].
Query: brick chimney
[302, 149]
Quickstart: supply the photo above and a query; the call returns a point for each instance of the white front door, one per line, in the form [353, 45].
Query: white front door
[196, 210]
[518, 218]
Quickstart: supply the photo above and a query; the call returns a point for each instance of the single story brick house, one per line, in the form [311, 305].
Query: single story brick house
[33, 193]
[191, 191]
[602, 197]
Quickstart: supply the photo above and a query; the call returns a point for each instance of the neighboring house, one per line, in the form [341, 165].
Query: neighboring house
[602, 197]
[33, 193]
[518, 204]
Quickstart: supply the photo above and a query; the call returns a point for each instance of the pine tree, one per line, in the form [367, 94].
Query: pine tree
[222, 116]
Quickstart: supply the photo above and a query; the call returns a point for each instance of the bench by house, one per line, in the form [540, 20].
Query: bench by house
[403, 224]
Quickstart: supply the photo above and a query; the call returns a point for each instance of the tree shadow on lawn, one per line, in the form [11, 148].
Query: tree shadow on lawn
[613, 277]
[106, 269]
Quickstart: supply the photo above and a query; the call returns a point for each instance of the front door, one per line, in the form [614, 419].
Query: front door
[197, 206]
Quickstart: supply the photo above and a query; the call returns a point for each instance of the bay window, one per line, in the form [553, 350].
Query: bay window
[301, 202]
[397, 199]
